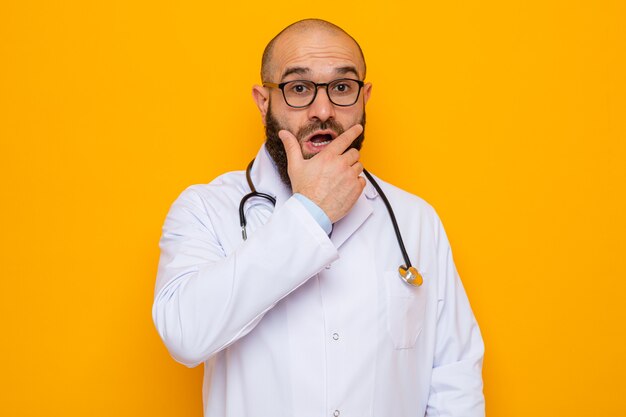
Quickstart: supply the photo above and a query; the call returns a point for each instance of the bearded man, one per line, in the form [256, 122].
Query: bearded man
[284, 281]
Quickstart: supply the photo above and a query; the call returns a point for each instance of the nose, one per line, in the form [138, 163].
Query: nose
[321, 108]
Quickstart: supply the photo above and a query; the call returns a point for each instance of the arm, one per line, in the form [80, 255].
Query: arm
[205, 300]
[456, 385]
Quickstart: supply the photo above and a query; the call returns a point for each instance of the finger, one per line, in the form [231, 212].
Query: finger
[351, 156]
[344, 140]
[292, 147]
[358, 168]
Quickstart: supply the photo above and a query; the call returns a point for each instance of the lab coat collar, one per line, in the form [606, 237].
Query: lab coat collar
[266, 179]
[369, 191]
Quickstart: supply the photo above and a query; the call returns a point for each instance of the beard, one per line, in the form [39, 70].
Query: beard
[276, 149]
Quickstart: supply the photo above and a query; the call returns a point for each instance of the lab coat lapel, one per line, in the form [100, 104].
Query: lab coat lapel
[350, 223]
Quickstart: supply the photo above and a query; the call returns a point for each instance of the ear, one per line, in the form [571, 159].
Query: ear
[261, 96]
[367, 90]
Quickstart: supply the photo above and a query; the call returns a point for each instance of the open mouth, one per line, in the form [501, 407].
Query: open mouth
[321, 140]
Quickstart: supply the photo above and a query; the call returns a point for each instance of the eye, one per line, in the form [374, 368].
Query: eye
[298, 87]
[342, 87]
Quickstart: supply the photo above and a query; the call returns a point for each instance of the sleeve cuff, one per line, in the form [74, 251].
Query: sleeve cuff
[318, 214]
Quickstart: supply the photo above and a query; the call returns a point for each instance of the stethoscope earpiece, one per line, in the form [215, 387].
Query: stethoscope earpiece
[410, 275]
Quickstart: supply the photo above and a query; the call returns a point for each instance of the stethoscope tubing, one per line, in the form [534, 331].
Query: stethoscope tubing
[392, 216]
[407, 272]
[253, 193]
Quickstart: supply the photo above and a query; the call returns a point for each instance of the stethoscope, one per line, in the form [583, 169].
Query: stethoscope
[407, 272]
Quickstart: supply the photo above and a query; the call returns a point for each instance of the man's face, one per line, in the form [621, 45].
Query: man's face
[320, 56]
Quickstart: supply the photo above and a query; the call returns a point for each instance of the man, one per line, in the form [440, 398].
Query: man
[307, 315]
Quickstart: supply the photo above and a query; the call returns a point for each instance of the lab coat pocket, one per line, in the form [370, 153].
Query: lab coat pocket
[406, 306]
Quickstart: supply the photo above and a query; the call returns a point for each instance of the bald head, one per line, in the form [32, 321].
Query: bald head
[298, 29]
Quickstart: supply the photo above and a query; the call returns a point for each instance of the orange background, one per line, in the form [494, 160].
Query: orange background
[508, 116]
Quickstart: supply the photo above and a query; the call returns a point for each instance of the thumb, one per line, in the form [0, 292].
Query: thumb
[292, 147]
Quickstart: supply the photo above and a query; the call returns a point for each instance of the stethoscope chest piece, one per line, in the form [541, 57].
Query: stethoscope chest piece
[410, 275]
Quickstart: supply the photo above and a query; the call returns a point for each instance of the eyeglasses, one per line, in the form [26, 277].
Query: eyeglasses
[342, 92]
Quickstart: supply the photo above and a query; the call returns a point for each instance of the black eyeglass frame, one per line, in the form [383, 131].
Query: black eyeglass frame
[281, 86]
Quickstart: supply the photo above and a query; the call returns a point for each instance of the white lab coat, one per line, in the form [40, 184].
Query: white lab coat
[294, 323]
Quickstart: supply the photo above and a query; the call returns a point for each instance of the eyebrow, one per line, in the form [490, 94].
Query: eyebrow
[303, 71]
[346, 70]
[295, 70]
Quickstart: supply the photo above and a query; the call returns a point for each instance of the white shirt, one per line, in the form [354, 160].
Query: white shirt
[294, 323]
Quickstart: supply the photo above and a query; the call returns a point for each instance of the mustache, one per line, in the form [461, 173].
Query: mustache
[315, 126]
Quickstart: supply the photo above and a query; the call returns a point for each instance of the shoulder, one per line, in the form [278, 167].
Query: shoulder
[404, 199]
[223, 192]
[410, 210]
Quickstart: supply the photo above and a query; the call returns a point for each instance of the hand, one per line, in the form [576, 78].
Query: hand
[331, 178]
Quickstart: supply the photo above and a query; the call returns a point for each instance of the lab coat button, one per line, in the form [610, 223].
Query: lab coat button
[327, 266]
[335, 336]
[336, 413]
